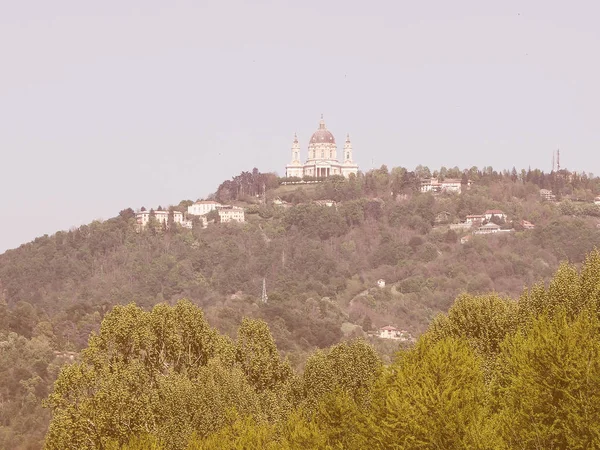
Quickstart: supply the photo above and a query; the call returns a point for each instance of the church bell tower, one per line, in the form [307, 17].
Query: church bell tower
[295, 150]
[348, 150]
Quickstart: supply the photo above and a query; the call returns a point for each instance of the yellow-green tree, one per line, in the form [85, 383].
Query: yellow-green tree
[349, 367]
[547, 389]
[140, 371]
[433, 396]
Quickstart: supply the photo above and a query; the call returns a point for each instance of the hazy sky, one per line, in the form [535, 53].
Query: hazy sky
[112, 104]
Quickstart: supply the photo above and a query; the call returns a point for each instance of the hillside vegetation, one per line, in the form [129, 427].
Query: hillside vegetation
[320, 264]
[493, 373]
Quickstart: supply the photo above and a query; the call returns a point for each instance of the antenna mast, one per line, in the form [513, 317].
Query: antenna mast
[558, 160]
[264, 296]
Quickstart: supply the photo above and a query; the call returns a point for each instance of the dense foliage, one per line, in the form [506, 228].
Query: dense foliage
[494, 373]
[320, 263]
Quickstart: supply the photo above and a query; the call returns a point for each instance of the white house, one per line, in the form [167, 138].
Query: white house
[451, 185]
[381, 283]
[488, 229]
[547, 195]
[202, 207]
[390, 332]
[282, 203]
[435, 185]
[461, 226]
[475, 219]
[325, 202]
[143, 217]
[231, 214]
[527, 225]
[494, 212]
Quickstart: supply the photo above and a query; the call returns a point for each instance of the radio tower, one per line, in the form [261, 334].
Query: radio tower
[558, 160]
[264, 296]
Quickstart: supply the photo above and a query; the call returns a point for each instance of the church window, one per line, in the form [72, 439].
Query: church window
[322, 153]
[348, 155]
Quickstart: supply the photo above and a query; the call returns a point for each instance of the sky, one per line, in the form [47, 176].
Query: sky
[124, 103]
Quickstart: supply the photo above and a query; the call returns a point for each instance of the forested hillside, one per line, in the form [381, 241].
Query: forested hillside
[320, 264]
[494, 373]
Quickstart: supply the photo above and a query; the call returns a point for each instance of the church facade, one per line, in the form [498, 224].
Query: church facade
[322, 160]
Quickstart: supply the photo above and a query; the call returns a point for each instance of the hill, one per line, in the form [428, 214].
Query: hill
[321, 265]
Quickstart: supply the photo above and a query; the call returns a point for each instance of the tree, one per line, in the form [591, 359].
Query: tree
[258, 356]
[137, 359]
[432, 397]
[349, 367]
[481, 321]
[213, 216]
[548, 384]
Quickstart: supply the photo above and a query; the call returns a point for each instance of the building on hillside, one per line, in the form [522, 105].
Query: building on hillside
[142, 218]
[324, 202]
[475, 219]
[488, 229]
[231, 214]
[546, 194]
[202, 207]
[390, 332]
[162, 217]
[494, 213]
[466, 239]
[451, 185]
[597, 201]
[527, 225]
[461, 226]
[435, 185]
[381, 283]
[281, 203]
[322, 160]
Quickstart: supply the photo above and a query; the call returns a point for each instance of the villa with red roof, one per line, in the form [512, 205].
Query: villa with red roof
[494, 212]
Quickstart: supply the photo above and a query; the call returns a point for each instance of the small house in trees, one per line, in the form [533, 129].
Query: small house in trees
[475, 219]
[325, 202]
[451, 185]
[547, 195]
[465, 239]
[281, 203]
[494, 213]
[527, 225]
[389, 332]
[435, 185]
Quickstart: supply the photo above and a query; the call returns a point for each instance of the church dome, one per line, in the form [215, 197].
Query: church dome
[322, 135]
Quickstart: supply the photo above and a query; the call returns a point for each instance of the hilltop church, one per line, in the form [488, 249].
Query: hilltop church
[322, 158]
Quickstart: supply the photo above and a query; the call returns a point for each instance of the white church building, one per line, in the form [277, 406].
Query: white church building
[322, 160]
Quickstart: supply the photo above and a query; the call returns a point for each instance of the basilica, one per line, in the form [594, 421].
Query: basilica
[322, 160]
